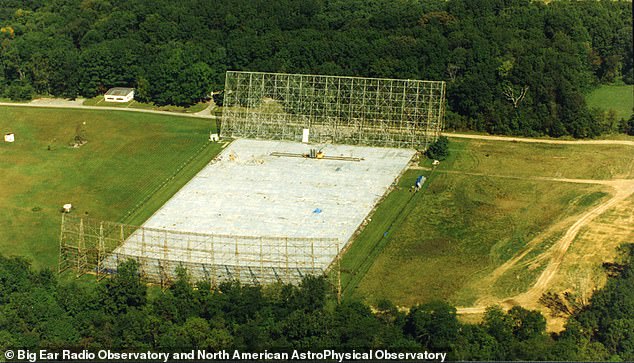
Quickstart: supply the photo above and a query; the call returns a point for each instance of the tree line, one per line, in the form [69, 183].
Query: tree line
[39, 312]
[513, 67]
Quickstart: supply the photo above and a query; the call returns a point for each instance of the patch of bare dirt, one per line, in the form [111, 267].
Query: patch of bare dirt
[622, 189]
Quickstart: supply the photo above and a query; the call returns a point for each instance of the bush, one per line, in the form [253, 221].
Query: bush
[438, 150]
[218, 98]
[629, 126]
[20, 92]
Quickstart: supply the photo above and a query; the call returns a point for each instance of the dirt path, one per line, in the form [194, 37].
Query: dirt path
[623, 188]
[77, 104]
[543, 141]
[207, 111]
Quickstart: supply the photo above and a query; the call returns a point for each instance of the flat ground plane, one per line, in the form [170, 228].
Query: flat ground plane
[247, 191]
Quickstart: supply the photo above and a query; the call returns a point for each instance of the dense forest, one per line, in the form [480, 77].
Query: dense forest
[39, 312]
[513, 67]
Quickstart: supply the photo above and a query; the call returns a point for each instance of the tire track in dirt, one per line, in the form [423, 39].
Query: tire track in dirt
[623, 188]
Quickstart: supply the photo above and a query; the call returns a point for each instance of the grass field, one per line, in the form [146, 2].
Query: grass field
[479, 208]
[386, 219]
[542, 160]
[476, 211]
[131, 164]
[619, 98]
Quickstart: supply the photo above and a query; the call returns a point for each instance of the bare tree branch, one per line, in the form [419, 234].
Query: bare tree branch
[509, 93]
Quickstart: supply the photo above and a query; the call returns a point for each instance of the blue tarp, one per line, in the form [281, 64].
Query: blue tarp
[419, 182]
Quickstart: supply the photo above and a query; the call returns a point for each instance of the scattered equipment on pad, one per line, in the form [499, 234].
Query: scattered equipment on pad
[314, 154]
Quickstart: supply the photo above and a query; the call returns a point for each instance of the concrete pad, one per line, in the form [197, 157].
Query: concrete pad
[246, 191]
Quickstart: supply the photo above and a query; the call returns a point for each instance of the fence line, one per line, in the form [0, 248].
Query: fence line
[97, 247]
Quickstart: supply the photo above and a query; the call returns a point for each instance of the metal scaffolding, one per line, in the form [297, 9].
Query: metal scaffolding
[91, 246]
[342, 110]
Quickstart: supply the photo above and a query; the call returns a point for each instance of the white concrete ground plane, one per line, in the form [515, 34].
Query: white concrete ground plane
[297, 211]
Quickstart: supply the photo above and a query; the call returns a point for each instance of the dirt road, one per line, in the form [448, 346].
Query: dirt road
[623, 188]
[78, 104]
[543, 141]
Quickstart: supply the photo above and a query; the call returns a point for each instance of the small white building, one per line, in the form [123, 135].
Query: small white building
[119, 94]
[305, 135]
[9, 137]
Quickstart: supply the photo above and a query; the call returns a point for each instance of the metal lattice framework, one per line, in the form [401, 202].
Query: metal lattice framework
[91, 246]
[344, 110]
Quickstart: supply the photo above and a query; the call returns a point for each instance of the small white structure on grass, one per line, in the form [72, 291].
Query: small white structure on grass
[119, 94]
[435, 163]
[67, 207]
[10, 137]
[214, 137]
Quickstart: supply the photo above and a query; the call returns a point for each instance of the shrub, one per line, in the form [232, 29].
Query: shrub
[218, 98]
[20, 92]
[438, 150]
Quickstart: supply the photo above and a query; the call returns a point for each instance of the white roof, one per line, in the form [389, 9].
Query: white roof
[119, 91]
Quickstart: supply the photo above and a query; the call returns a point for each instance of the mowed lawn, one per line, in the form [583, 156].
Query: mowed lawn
[619, 98]
[131, 164]
[478, 209]
[542, 160]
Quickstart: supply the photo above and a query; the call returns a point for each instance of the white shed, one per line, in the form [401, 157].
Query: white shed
[119, 94]
[9, 137]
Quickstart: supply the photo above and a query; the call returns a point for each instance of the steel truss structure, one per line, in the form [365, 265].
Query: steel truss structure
[342, 110]
[92, 246]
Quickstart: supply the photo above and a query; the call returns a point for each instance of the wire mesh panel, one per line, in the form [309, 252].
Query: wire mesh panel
[91, 246]
[343, 110]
